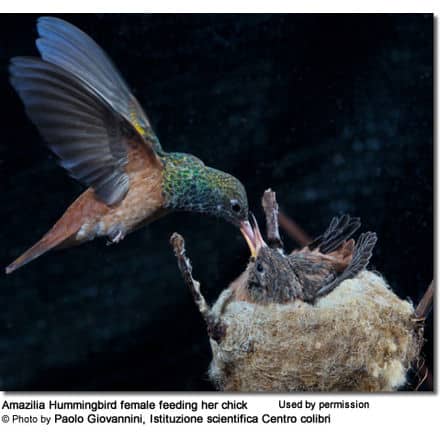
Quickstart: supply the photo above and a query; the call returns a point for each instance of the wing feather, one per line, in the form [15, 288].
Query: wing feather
[66, 46]
[79, 127]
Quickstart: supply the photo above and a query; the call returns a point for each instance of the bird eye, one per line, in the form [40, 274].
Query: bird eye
[235, 206]
[260, 267]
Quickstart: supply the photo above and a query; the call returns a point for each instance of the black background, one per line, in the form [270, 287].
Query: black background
[334, 112]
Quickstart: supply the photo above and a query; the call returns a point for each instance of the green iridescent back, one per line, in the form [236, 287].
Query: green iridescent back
[189, 185]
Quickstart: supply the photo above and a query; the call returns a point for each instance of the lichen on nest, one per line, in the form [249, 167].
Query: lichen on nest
[359, 337]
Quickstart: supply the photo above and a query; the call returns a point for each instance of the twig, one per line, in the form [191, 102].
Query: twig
[425, 304]
[429, 385]
[421, 313]
[270, 207]
[178, 244]
[422, 374]
[216, 328]
[293, 230]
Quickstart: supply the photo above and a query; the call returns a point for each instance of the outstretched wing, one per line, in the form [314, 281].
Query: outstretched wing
[339, 230]
[79, 127]
[332, 257]
[362, 253]
[66, 46]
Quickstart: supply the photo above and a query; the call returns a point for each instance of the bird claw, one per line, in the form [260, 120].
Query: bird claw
[115, 238]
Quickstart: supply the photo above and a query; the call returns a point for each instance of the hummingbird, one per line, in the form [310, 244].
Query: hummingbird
[305, 274]
[87, 115]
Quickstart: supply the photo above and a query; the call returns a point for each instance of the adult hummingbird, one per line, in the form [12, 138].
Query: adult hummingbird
[86, 113]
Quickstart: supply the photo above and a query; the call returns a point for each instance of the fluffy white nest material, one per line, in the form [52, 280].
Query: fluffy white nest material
[360, 337]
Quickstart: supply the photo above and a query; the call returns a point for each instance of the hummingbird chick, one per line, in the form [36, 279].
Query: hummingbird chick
[89, 118]
[308, 273]
[313, 320]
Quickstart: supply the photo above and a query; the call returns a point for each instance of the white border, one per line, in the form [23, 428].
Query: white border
[401, 415]
[215, 6]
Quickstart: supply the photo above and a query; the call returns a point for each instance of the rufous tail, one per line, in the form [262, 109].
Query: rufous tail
[63, 233]
[55, 237]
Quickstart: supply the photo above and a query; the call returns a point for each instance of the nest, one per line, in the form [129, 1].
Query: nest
[358, 337]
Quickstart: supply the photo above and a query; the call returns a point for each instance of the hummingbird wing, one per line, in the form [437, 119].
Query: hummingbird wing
[68, 47]
[79, 127]
[362, 253]
[339, 230]
[332, 257]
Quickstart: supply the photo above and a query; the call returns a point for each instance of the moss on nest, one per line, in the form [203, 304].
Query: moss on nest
[360, 337]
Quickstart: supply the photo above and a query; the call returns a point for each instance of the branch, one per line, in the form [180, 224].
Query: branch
[294, 230]
[178, 244]
[425, 304]
[421, 313]
[270, 207]
[422, 373]
[216, 328]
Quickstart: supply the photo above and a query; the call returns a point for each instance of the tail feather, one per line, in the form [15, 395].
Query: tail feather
[49, 241]
[84, 210]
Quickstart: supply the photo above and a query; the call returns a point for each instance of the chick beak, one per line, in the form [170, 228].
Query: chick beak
[252, 235]
[249, 236]
[258, 238]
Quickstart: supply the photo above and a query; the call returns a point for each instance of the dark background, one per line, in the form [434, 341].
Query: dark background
[333, 112]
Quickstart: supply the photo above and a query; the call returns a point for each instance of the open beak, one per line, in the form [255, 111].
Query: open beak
[252, 235]
[249, 236]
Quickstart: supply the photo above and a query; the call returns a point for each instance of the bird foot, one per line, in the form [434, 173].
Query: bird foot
[116, 237]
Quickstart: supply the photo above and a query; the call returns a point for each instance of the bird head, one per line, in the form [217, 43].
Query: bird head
[190, 185]
[269, 275]
[227, 198]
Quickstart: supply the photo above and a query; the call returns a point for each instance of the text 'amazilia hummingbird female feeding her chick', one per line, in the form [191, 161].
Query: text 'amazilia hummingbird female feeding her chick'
[86, 113]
